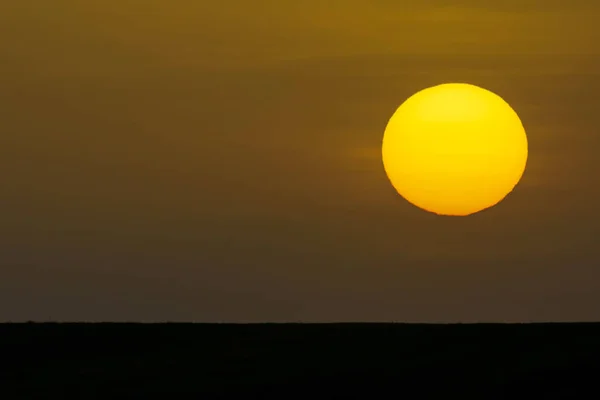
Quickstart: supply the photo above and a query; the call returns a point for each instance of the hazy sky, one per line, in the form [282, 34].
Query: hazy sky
[221, 161]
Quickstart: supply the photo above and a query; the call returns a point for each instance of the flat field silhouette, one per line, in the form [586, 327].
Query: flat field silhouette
[298, 361]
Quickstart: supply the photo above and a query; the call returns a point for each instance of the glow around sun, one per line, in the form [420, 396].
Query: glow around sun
[454, 149]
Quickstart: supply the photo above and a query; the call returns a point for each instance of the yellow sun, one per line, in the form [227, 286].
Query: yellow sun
[454, 149]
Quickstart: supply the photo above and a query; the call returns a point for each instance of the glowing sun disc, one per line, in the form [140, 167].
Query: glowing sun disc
[454, 149]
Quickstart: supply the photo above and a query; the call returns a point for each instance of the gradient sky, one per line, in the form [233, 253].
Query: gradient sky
[221, 161]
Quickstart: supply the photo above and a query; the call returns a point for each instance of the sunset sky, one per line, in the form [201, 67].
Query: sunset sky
[210, 161]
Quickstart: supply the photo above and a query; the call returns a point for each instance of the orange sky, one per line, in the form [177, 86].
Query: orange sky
[192, 161]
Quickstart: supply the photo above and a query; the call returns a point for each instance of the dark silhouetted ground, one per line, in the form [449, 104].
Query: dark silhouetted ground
[299, 361]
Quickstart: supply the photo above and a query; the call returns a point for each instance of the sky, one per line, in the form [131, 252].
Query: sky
[221, 162]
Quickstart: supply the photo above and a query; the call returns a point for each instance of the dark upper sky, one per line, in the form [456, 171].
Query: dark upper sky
[220, 161]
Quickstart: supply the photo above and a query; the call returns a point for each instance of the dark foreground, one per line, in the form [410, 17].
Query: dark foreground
[363, 361]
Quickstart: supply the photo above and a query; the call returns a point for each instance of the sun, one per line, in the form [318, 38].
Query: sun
[454, 149]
